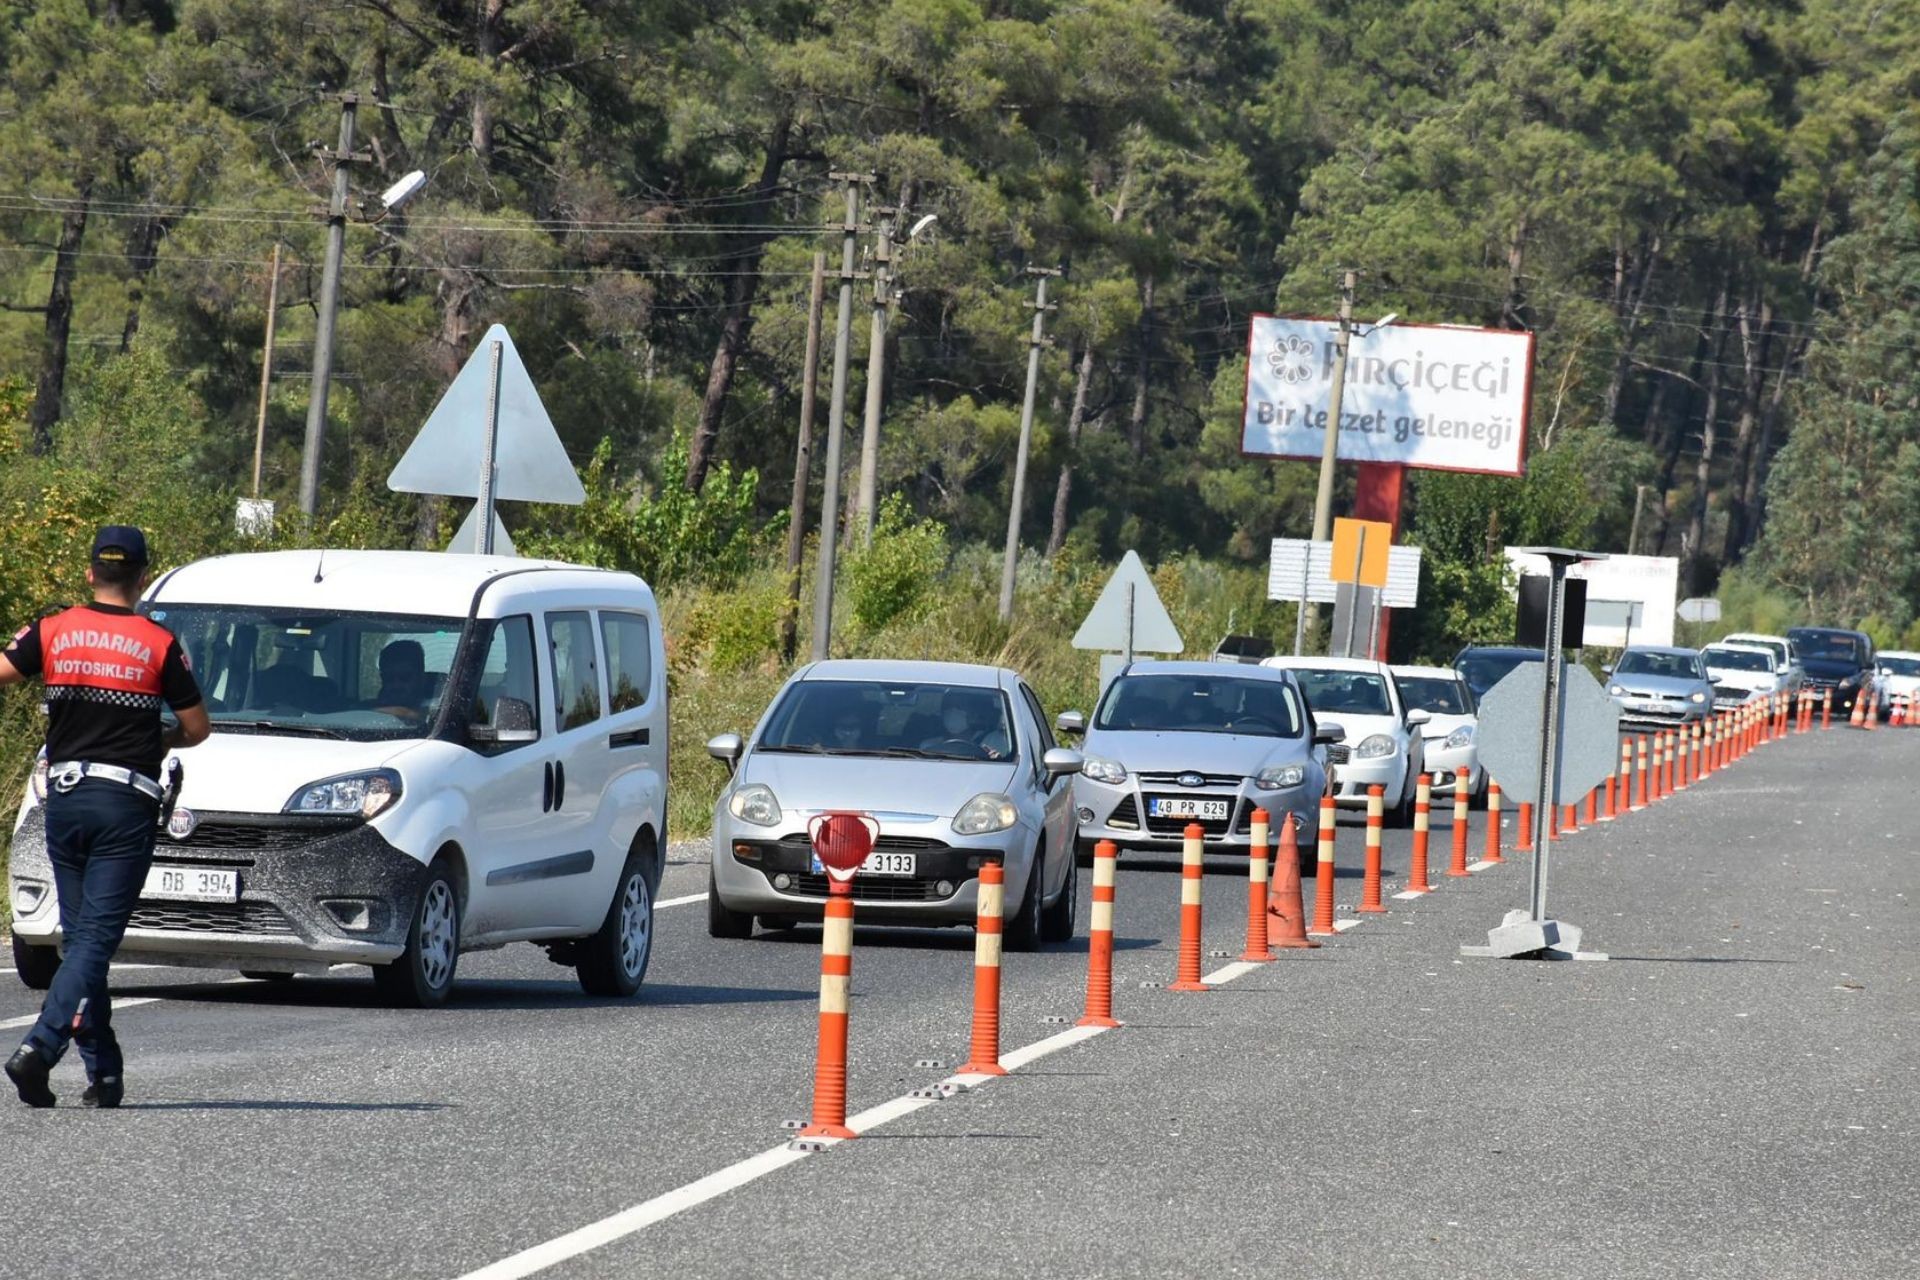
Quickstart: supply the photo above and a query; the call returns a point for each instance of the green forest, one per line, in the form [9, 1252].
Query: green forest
[1708, 213]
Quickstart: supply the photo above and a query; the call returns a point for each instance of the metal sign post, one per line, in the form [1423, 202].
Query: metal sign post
[489, 467]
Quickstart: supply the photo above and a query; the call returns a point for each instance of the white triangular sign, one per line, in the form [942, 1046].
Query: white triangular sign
[1106, 626]
[466, 540]
[530, 462]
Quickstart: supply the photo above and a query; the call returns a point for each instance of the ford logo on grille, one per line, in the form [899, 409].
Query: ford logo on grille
[1191, 780]
[182, 823]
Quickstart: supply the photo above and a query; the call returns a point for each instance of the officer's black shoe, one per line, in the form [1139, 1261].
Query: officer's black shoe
[29, 1072]
[104, 1093]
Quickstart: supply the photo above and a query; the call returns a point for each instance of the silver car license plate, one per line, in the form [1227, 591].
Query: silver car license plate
[191, 884]
[1178, 807]
[881, 864]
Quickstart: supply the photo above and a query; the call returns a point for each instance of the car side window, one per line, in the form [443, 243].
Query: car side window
[1043, 733]
[628, 640]
[576, 670]
[507, 671]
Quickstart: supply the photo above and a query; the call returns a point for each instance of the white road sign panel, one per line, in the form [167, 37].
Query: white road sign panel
[1108, 626]
[1292, 556]
[1507, 739]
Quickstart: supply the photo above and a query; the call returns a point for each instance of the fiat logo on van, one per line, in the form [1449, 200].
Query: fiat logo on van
[182, 823]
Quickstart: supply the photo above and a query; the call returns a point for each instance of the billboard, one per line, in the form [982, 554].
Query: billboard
[1630, 599]
[1437, 396]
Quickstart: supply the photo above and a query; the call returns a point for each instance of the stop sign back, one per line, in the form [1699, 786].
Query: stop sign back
[842, 841]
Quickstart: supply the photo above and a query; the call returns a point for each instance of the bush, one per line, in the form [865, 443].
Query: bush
[892, 579]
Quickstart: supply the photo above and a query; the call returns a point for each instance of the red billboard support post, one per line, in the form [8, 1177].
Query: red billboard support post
[1378, 489]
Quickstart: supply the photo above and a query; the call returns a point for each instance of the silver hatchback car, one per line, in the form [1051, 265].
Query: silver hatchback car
[955, 763]
[1179, 742]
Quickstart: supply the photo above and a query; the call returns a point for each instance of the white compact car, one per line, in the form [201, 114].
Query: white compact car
[1383, 745]
[1448, 748]
[1742, 671]
[1897, 673]
[413, 755]
[1790, 673]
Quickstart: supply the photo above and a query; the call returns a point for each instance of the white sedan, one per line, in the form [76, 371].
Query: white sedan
[1449, 745]
[1382, 745]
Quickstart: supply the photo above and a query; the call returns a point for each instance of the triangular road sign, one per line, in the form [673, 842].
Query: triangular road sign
[530, 461]
[466, 540]
[1107, 626]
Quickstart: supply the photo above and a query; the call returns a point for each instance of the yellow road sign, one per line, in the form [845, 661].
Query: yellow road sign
[1360, 551]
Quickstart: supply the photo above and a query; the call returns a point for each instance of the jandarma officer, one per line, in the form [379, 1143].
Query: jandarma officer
[106, 671]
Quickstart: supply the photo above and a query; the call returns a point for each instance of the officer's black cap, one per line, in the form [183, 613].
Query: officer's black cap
[120, 544]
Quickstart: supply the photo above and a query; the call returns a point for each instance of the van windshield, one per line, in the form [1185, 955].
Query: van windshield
[361, 676]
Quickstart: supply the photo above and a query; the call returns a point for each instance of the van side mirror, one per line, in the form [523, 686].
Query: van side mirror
[512, 723]
[727, 748]
[1071, 722]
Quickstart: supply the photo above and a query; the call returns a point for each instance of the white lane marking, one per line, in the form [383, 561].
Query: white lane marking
[1228, 972]
[13, 1023]
[1483, 864]
[680, 902]
[1341, 926]
[641, 1216]
[1412, 893]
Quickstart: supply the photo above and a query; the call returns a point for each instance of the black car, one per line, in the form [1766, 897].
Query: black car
[1484, 666]
[1835, 659]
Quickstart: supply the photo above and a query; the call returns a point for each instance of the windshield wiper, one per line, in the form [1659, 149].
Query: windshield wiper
[797, 748]
[281, 726]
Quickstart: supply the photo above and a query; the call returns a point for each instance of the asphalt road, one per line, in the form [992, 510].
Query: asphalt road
[1732, 1094]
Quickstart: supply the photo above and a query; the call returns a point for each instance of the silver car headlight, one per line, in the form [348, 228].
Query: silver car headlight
[985, 813]
[1696, 696]
[1618, 691]
[365, 794]
[1461, 737]
[755, 803]
[1100, 769]
[1279, 777]
[1376, 746]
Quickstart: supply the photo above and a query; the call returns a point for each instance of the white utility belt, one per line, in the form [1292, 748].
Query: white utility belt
[67, 775]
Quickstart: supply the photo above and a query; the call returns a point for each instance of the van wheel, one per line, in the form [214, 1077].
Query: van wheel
[1057, 921]
[35, 965]
[1022, 932]
[423, 975]
[613, 962]
[723, 921]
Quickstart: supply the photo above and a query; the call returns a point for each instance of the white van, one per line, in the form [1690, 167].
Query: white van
[414, 754]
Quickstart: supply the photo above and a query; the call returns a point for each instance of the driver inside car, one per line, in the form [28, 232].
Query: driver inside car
[404, 687]
[965, 719]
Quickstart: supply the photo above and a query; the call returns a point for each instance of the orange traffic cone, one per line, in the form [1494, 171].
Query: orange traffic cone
[1286, 911]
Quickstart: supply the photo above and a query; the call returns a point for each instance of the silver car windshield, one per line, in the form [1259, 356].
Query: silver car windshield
[1676, 666]
[362, 676]
[1357, 693]
[1200, 704]
[891, 718]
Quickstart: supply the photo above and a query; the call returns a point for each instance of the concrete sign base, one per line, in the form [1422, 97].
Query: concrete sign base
[1521, 937]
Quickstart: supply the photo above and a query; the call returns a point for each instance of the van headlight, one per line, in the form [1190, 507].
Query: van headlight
[755, 803]
[985, 813]
[1100, 769]
[362, 794]
[1278, 777]
[1374, 747]
[1461, 737]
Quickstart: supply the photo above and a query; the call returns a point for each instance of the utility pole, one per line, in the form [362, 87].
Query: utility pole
[266, 368]
[1639, 501]
[876, 374]
[803, 459]
[1035, 344]
[1330, 447]
[836, 419]
[343, 160]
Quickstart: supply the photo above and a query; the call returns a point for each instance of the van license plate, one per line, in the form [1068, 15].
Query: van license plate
[1214, 810]
[191, 884]
[881, 864]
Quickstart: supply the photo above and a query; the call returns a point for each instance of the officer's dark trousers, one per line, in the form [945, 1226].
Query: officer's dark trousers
[100, 837]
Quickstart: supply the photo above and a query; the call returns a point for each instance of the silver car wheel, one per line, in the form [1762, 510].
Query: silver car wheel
[636, 924]
[437, 942]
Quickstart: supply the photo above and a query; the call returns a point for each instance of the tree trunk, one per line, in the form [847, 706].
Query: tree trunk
[1063, 491]
[1676, 434]
[143, 252]
[1756, 340]
[1630, 298]
[1516, 260]
[1137, 422]
[1755, 493]
[1694, 549]
[51, 387]
[737, 323]
[486, 49]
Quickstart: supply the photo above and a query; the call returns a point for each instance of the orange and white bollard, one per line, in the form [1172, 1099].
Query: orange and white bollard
[1826, 708]
[1666, 764]
[1323, 874]
[1106, 855]
[1370, 903]
[1625, 770]
[1570, 818]
[836, 979]
[1257, 952]
[1640, 801]
[983, 1058]
[1683, 758]
[1288, 926]
[1492, 853]
[1523, 828]
[1422, 833]
[1192, 870]
[1593, 807]
[1462, 797]
[1858, 718]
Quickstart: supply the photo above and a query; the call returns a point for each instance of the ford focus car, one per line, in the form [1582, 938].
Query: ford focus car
[957, 766]
[1174, 743]
[1384, 744]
